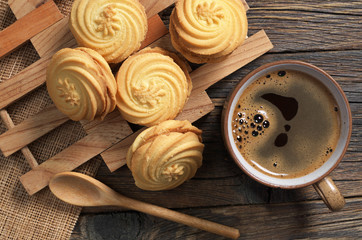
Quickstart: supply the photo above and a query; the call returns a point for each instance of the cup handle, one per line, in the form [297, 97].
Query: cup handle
[330, 194]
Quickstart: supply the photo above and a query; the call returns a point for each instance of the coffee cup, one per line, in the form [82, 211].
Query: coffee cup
[287, 125]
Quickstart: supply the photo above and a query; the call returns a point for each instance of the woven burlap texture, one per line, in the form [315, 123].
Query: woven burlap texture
[41, 216]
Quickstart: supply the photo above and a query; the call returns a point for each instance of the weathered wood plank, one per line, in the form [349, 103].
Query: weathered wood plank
[264, 221]
[20, 9]
[34, 22]
[309, 25]
[331, 6]
[206, 191]
[31, 129]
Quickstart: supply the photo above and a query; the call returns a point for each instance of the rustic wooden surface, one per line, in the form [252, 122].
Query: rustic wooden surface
[325, 33]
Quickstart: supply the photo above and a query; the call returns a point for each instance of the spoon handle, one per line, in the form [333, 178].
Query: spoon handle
[178, 217]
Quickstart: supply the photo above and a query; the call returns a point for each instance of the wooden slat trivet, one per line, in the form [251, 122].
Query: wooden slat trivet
[21, 8]
[53, 46]
[115, 156]
[93, 130]
[34, 22]
[5, 117]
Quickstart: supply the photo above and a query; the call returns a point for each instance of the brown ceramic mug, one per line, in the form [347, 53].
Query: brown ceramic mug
[319, 178]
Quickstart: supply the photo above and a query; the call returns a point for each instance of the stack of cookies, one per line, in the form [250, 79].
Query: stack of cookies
[81, 84]
[153, 86]
[113, 28]
[208, 30]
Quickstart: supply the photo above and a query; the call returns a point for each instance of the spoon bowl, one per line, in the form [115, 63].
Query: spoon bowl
[82, 190]
[79, 189]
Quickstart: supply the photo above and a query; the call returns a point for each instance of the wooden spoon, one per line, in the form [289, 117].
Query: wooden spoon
[82, 190]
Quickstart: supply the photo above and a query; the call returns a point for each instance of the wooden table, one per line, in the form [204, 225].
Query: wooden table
[327, 34]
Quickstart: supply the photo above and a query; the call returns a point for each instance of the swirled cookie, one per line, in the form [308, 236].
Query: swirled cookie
[207, 30]
[166, 155]
[153, 86]
[113, 28]
[81, 84]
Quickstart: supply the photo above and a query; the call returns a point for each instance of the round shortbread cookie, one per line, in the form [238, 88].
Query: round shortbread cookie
[166, 155]
[113, 28]
[81, 84]
[153, 86]
[208, 30]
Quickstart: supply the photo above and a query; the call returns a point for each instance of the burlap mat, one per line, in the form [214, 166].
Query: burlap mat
[41, 216]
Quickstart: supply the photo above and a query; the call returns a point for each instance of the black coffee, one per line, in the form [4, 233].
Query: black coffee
[286, 124]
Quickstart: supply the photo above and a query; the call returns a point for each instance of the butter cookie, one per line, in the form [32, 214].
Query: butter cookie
[164, 156]
[207, 30]
[81, 84]
[113, 28]
[153, 86]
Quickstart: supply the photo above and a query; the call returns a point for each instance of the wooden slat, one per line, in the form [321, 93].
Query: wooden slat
[156, 30]
[54, 38]
[21, 8]
[24, 82]
[28, 26]
[31, 129]
[152, 7]
[196, 107]
[5, 117]
[111, 130]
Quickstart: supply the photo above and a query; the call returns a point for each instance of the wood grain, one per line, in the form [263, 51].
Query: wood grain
[24, 82]
[302, 220]
[312, 25]
[111, 130]
[28, 26]
[21, 8]
[54, 38]
[5, 117]
[31, 129]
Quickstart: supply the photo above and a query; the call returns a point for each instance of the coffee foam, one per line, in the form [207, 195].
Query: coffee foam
[312, 134]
